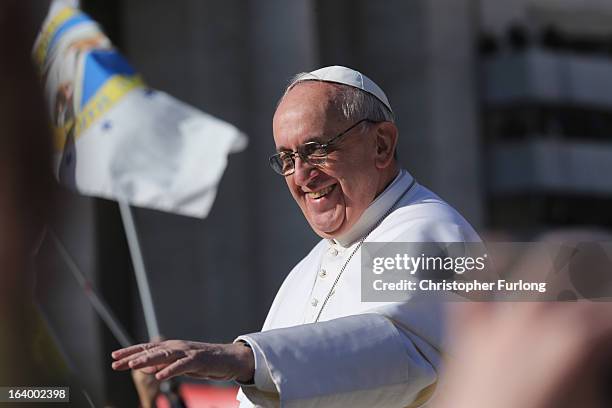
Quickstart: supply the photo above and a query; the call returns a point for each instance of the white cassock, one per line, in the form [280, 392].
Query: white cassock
[357, 354]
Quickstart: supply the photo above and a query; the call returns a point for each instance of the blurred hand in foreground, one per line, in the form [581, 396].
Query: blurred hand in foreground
[528, 355]
[147, 387]
[171, 358]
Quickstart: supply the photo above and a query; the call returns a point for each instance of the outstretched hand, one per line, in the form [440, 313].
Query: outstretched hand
[171, 358]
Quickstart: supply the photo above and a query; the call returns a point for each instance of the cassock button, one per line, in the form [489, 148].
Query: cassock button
[323, 273]
[314, 302]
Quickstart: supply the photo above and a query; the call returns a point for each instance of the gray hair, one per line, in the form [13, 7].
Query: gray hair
[353, 103]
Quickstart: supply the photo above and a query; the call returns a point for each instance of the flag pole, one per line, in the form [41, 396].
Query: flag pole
[169, 387]
[100, 306]
[139, 269]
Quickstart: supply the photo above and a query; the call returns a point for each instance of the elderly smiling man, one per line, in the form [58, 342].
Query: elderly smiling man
[321, 345]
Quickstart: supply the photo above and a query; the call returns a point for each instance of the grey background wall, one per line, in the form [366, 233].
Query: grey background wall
[214, 279]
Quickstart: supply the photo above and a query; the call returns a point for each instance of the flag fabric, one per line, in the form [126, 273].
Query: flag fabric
[115, 137]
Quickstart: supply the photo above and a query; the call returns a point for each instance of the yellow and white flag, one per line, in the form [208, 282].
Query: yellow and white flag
[118, 139]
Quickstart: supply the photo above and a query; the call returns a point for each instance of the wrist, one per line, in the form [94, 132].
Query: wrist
[246, 362]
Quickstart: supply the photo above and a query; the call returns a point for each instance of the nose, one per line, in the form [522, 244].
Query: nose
[304, 172]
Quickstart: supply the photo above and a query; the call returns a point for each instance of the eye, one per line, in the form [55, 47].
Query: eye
[314, 149]
[285, 157]
[286, 161]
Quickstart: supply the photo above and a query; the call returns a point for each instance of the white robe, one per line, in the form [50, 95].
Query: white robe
[359, 354]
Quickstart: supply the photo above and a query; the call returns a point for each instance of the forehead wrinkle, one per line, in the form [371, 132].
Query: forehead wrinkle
[308, 100]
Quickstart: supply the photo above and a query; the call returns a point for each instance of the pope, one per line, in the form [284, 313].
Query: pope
[336, 138]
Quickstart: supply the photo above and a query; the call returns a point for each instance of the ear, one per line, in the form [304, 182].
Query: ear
[386, 140]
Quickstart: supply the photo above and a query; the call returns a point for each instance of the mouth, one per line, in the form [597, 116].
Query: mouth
[321, 193]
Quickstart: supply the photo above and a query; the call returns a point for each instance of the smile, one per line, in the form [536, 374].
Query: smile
[321, 193]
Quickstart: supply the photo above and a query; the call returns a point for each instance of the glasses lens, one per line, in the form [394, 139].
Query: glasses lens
[282, 163]
[313, 151]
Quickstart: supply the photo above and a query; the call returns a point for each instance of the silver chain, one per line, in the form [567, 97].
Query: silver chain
[331, 291]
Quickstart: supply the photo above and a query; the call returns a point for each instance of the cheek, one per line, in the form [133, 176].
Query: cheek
[360, 165]
[291, 185]
[294, 190]
[359, 189]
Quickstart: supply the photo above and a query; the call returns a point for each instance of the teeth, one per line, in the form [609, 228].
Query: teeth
[321, 193]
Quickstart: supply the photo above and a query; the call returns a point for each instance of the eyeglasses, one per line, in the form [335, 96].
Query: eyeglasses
[313, 153]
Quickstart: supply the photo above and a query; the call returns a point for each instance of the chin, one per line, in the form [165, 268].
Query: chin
[328, 233]
[324, 234]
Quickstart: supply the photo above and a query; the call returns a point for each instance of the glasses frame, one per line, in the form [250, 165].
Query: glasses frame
[325, 146]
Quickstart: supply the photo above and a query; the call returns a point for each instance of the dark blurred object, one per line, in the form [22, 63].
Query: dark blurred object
[589, 44]
[106, 13]
[536, 119]
[25, 192]
[553, 39]
[28, 353]
[26, 138]
[487, 44]
[518, 37]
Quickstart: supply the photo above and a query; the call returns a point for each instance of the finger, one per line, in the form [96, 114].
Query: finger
[179, 367]
[124, 363]
[124, 352]
[159, 356]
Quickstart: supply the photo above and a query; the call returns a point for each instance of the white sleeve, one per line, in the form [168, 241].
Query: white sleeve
[358, 361]
[261, 379]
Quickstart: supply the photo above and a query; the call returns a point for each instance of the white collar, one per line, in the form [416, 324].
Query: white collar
[376, 210]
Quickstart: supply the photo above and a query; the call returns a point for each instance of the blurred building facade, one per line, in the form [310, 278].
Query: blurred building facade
[547, 112]
[514, 132]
